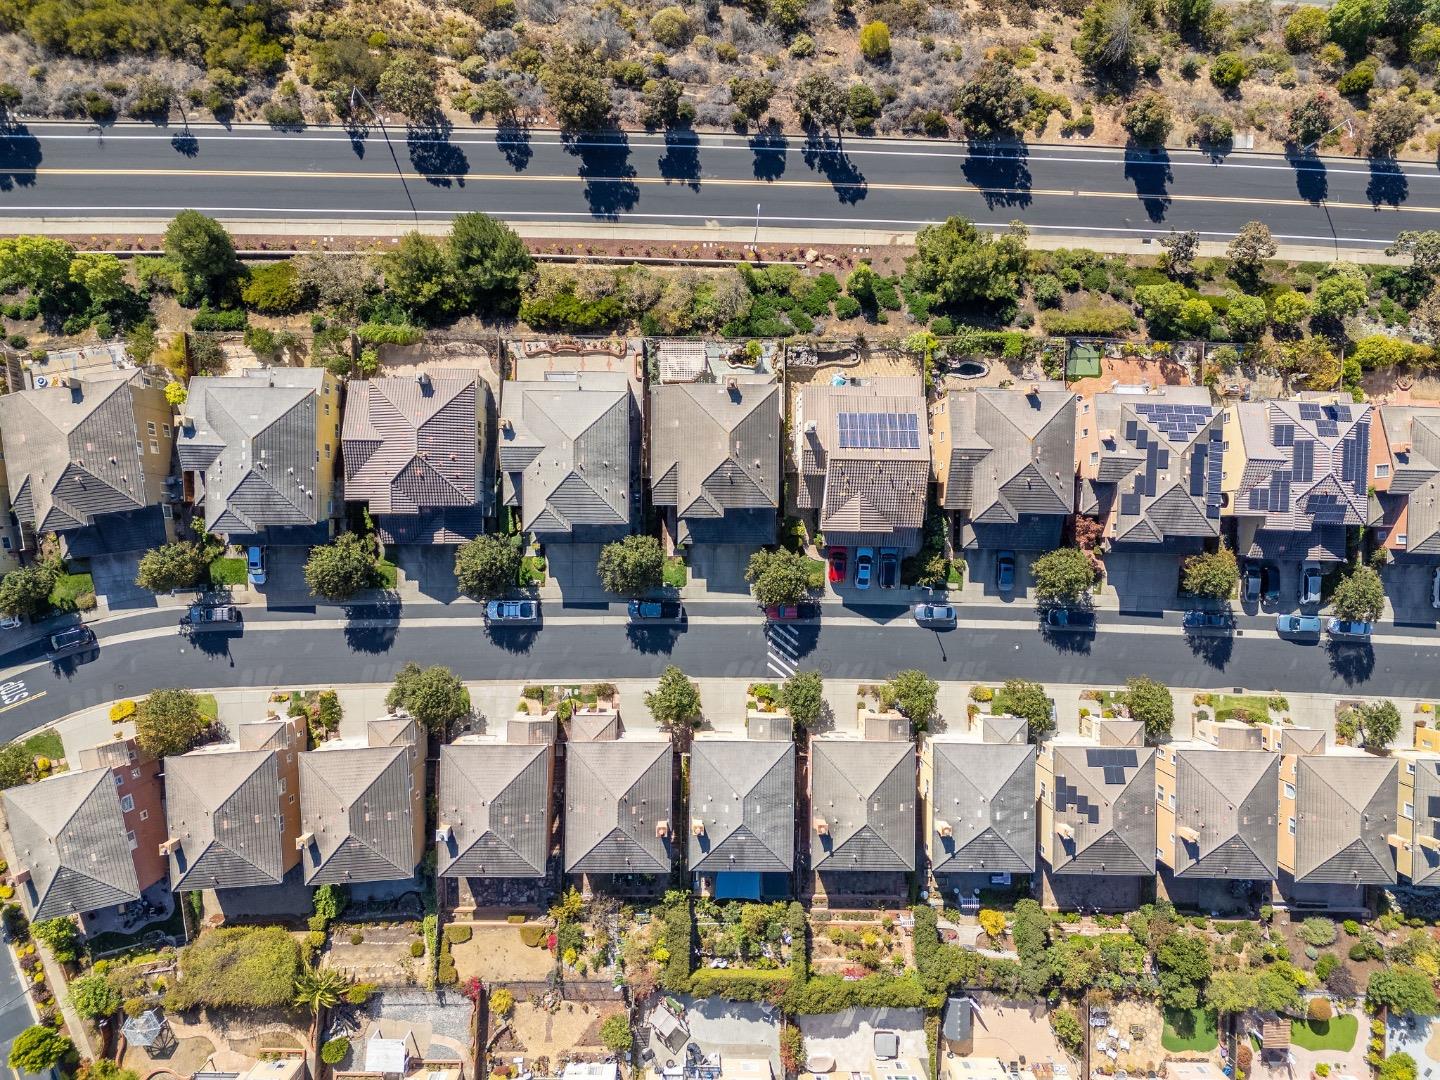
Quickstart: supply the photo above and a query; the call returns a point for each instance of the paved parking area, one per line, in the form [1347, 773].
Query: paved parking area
[732, 1029]
[720, 568]
[285, 575]
[980, 577]
[429, 570]
[114, 577]
[848, 1038]
[572, 569]
[1408, 589]
[1142, 581]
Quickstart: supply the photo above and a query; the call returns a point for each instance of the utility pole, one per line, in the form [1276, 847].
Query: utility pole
[355, 93]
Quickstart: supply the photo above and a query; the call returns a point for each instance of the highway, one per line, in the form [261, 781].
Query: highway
[306, 646]
[69, 171]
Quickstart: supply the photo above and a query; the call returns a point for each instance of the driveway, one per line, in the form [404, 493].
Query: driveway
[720, 568]
[1143, 581]
[1408, 588]
[115, 581]
[848, 1037]
[285, 575]
[427, 568]
[572, 569]
[980, 576]
[732, 1029]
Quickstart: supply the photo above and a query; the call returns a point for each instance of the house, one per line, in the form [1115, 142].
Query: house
[1097, 802]
[88, 459]
[1150, 467]
[233, 809]
[494, 813]
[742, 813]
[1296, 474]
[89, 839]
[415, 455]
[978, 799]
[619, 806]
[1405, 478]
[862, 461]
[715, 459]
[1417, 837]
[862, 804]
[565, 460]
[1004, 461]
[257, 453]
[12, 540]
[362, 809]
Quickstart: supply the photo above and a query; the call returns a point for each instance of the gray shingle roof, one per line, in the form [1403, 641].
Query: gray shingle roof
[565, 452]
[616, 794]
[496, 799]
[1345, 811]
[715, 451]
[865, 793]
[253, 440]
[1012, 454]
[1425, 861]
[985, 795]
[72, 454]
[412, 445]
[1107, 796]
[69, 833]
[1414, 435]
[224, 808]
[744, 793]
[1231, 798]
[359, 803]
[1306, 463]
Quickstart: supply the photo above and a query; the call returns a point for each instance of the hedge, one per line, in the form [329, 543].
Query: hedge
[738, 984]
[458, 933]
[241, 967]
[832, 993]
[677, 935]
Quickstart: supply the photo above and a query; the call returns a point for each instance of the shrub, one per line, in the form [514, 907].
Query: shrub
[357, 938]
[334, 1051]
[502, 1002]
[532, 936]
[1317, 931]
[1319, 1009]
[1227, 70]
[237, 967]
[458, 934]
[122, 711]
[276, 289]
[1359, 80]
[615, 1033]
[417, 948]
[671, 27]
[875, 41]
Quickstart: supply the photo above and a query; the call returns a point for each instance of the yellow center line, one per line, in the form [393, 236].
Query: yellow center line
[948, 189]
[22, 701]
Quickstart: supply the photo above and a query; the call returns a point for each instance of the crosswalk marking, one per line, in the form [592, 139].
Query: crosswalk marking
[781, 654]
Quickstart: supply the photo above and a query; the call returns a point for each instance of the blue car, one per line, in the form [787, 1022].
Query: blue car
[1297, 625]
[255, 565]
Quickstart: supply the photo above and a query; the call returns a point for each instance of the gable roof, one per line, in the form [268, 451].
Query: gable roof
[69, 833]
[495, 797]
[1345, 812]
[864, 792]
[1231, 799]
[224, 808]
[565, 451]
[1306, 464]
[743, 791]
[1106, 796]
[1011, 454]
[252, 437]
[412, 444]
[984, 793]
[1414, 436]
[616, 794]
[358, 802]
[1424, 859]
[70, 454]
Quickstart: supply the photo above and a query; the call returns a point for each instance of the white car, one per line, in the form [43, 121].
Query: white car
[14, 622]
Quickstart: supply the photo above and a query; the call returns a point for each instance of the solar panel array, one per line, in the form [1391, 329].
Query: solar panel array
[1354, 455]
[878, 431]
[1214, 466]
[1326, 509]
[1178, 423]
[1304, 465]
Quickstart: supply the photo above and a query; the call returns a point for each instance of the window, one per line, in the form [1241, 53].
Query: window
[1410, 767]
[134, 774]
[144, 815]
[1159, 794]
[1159, 854]
[119, 780]
[1085, 433]
[282, 785]
[1409, 812]
[5, 540]
[130, 835]
[1172, 800]
[1401, 539]
[155, 446]
[165, 430]
[139, 447]
[1382, 470]
[1085, 406]
[149, 427]
[327, 451]
[1095, 457]
[327, 408]
[1290, 826]
[127, 803]
[1289, 790]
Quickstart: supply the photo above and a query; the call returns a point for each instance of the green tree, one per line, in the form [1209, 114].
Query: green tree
[418, 275]
[631, 566]
[178, 565]
[1181, 249]
[1064, 575]
[1068, 1030]
[1278, 988]
[1230, 993]
[615, 1033]
[1353, 22]
[434, 696]
[1252, 247]
[1110, 38]
[1399, 1066]
[169, 722]
[25, 591]
[61, 935]
[408, 85]
[993, 102]
[820, 101]
[1228, 70]
[1379, 723]
[1148, 119]
[751, 95]
[671, 27]
[317, 989]
[1312, 118]
[1402, 990]
[1391, 124]
[334, 1050]
[663, 104]
[105, 1069]
[959, 265]
[675, 701]
[912, 694]
[778, 577]
[203, 255]
[38, 263]
[875, 41]
[1245, 317]
[803, 694]
[486, 567]
[1307, 29]
[1212, 574]
[94, 997]
[1288, 310]
[578, 94]
[1029, 701]
[338, 570]
[1423, 249]
[1184, 963]
[1360, 595]
[39, 1049]
[102, 276]
[1151, 703]
[15, 765]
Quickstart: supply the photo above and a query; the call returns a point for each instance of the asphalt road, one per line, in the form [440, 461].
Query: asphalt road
[303, 647]
[325, 174]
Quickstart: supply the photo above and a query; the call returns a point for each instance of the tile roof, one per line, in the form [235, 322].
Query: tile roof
[224, 808]
[984, 794]
[1106, 795]
[1231, 799]
[1424, 860]
[495, 797]
[744, 793]
[1414, 436]
[252, 438]
[1345, 809]
[413, 445]
[1012, 454]
[865, 794]
[617, 796]
[359, 802]
[69, 833]
[1306, 463]
[71, 455]
[565, 451]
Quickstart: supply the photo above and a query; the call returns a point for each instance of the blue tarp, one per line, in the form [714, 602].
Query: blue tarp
[734, 885]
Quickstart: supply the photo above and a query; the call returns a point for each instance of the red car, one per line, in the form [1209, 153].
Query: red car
[837, 563]
[792, 612]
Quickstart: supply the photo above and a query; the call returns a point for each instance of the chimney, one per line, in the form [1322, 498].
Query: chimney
[304, 840]
[1428, 842]
[443, 833]
[944, 828]
[21, 877]
[809, 427]
[1034, 389]
[505, 425]
[697, 826]
[1396, 841]
[822, 827]
[169, 846]
[1065, 830]
[662, 829]
[422, 380]
[1189, 835]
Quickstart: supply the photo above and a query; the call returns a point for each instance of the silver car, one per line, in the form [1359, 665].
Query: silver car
[934, 614]
[513, 612]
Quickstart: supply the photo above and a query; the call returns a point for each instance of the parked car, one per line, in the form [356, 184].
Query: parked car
[514, 612]
[1310, 583]
[864, 565]
[209, 617]
[1349, 628]
[1005, 572]
[1250, 582]
[935, 614]
[1298, 625]
[889, 568]
[1213, 622]
[11, 622]
[1269, 581]
[1435, 588]
[255, 565]
[839, 563]
[656, 611]
[72, 639]
[1070, 619]
[792, 612]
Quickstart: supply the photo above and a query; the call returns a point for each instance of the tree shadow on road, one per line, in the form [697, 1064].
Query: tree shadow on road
[1000, 172]
[1388, 186]
[357, 131]
[371, 628]
[1213, 650]
[610, 187]
[1352, 662]
[185, 144]
[20, 155]
[827, 156]
[654, 639]
[434, 156]
[513, 639]
[1149, 170]
[681, 161]
[769, 149]
[513, 139]
[1312, 179]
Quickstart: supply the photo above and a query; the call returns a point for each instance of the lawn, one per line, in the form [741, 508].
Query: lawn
[1337, 1034]
[45, 744]
[386, 573]
[1189, 1029]
[814, 573]
[532, 570]
[209, 707]
[113, 939]
[1256, 707]
[68, 589]
[955, 575]
[227, 571]
[676, 575]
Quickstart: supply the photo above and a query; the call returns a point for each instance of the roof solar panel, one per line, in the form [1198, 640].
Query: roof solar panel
[1327, 428]
[1304, 460]
[1130, 505]
[1283, 434]
[1309, 411]
[878, 431]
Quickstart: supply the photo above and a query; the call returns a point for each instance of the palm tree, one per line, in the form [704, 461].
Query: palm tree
[319, 989]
